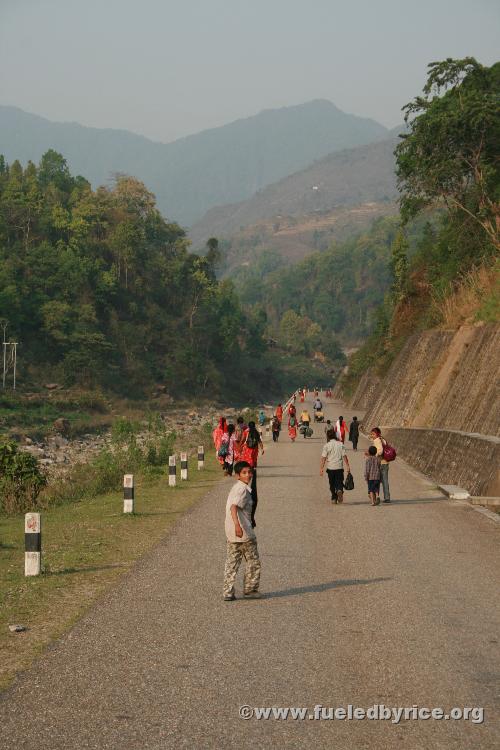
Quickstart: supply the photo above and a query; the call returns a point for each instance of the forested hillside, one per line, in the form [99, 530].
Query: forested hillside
[193, 174]
[101, 291]
[339, 290]
[446, 163]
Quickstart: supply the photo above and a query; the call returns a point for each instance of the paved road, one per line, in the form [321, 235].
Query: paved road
[395, 604]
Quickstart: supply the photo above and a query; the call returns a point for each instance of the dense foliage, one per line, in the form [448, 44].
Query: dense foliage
[100, 289]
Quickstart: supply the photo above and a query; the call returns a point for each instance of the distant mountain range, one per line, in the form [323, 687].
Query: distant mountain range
[194, 174]
[327, 188]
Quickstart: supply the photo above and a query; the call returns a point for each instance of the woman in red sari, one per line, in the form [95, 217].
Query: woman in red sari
[253, 442]
[217, 436]
[340, 429]
[292, 426]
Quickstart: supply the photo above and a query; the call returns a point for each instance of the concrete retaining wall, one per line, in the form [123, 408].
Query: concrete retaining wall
[451, 457]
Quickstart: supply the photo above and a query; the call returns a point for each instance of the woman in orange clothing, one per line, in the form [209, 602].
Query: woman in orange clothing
[279, 412]
[292, 427]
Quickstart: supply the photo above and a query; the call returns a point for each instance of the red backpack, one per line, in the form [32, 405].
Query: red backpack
[388, 453]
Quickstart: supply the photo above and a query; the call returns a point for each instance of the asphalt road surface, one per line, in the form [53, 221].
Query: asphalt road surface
[395, 605]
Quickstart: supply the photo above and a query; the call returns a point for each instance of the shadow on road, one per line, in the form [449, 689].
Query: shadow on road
[410, 501]
[283, 476]
[317, 588]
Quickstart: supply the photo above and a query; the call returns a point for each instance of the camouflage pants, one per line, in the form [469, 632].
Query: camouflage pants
[235, 552]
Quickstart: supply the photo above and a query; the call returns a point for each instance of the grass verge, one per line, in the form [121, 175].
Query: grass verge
[87, 545]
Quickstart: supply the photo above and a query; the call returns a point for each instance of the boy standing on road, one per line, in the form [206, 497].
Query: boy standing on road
[372, 475]
[241, 539]
[334, 456]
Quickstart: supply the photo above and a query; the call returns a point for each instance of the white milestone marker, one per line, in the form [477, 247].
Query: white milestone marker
[172, 471]
[32, 544]
[201, 457]
[184, 466]
[128, 493]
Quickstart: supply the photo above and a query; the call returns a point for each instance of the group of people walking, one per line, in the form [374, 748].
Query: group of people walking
[292, 421]
[239, 442]
[238, 446]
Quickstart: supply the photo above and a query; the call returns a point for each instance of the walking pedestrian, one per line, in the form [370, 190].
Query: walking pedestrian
[217, 436]
[340, 429]
[239, 439]
[226, 450]
[279, 412]
[354, 433]
[292, 427]
[241, 538]
[379, 442]
[253, 442]
[372, 475]
[334, 457]
[275, 428]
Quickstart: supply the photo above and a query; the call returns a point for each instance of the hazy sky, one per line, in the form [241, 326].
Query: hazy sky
[167, 68]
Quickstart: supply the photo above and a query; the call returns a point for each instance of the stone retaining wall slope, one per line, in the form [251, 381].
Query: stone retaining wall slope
[440, 404]
[442, 379]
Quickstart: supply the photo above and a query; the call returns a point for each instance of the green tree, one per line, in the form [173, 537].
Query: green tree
[449, 155]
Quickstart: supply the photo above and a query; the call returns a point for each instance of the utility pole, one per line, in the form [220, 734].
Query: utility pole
[15, 361]
[4, 328]
[9, 355]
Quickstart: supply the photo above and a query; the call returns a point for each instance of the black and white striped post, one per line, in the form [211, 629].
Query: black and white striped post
[201, 457]
[128, 493]
[184, 466]
[32, 544]
[172, 471]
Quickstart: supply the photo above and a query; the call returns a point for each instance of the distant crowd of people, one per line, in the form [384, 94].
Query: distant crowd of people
[238, 447]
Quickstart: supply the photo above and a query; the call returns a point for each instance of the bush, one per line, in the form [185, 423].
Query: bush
[21, 480]
[124, 431]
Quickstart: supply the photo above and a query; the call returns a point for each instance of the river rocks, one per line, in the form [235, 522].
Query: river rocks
[35, 450]
[57, 453]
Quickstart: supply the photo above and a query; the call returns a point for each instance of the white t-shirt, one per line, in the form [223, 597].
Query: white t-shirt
[241, 496]
[334, 453]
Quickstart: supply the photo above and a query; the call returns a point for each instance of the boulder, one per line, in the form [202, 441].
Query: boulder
[51, 386]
